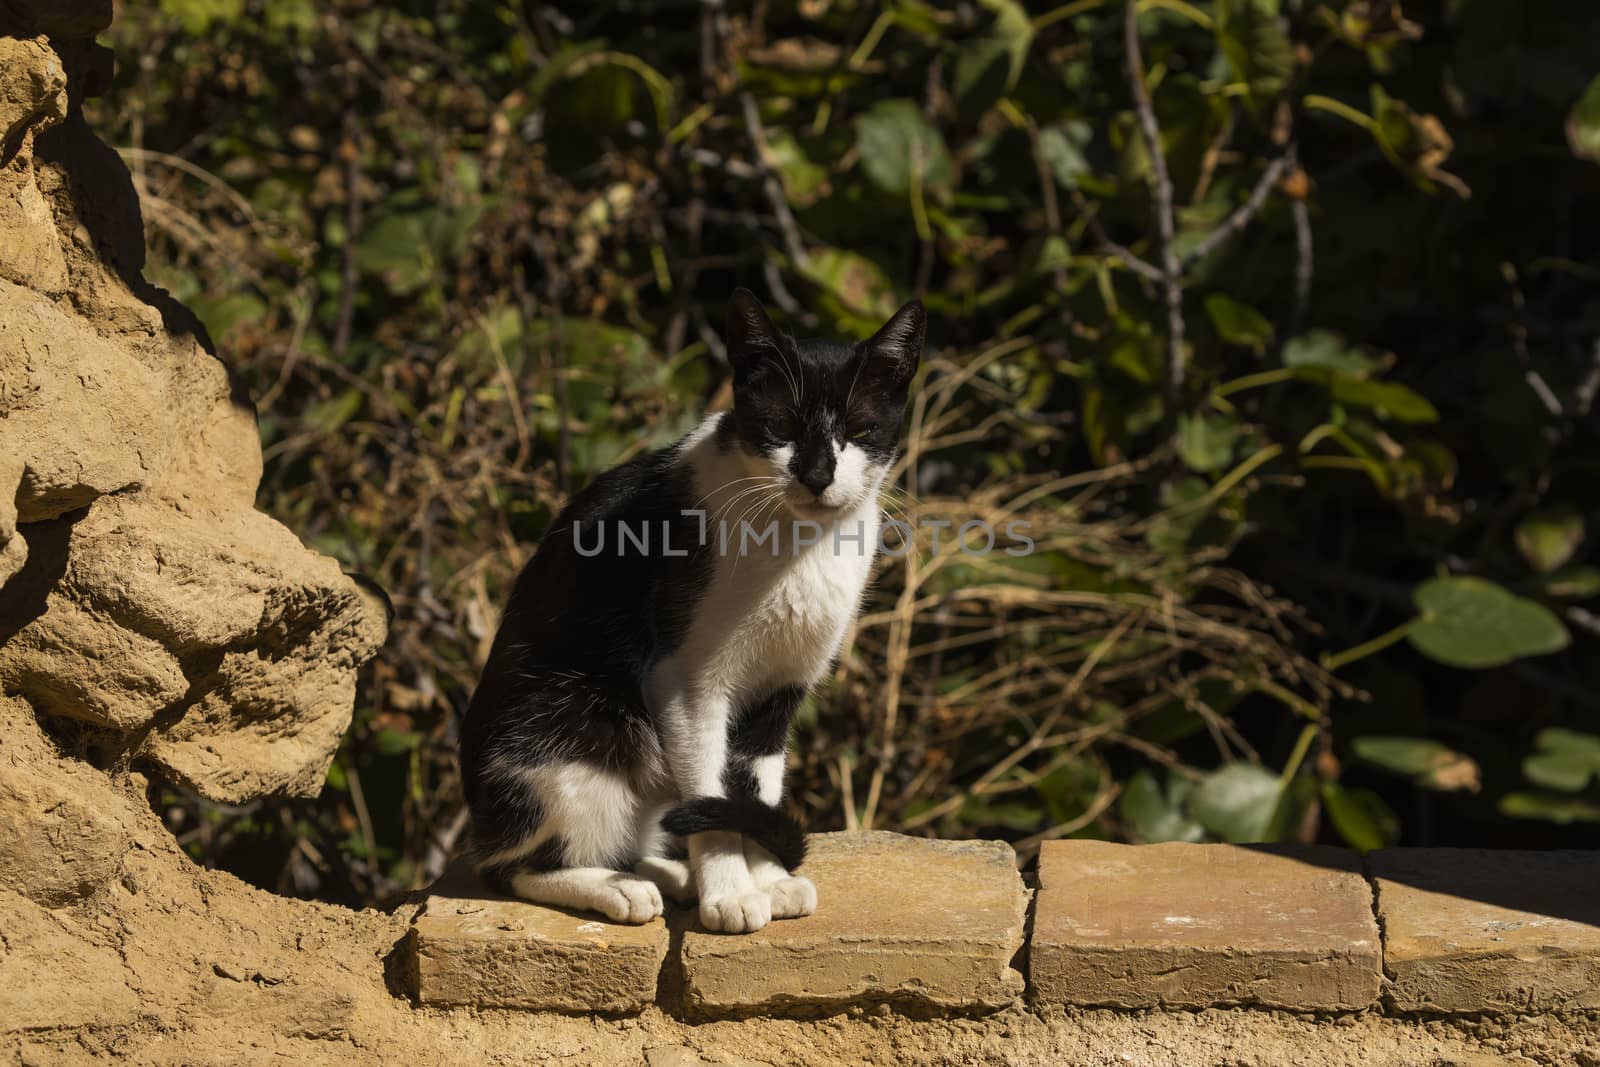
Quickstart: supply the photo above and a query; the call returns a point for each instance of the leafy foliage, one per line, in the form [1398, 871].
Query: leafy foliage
[465, 256]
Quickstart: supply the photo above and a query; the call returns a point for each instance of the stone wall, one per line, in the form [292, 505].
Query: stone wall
[938, 927]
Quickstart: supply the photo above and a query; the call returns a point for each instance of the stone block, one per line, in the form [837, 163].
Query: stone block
[498, 953]
[1195, 926]
[1475, 930]
[926, 925]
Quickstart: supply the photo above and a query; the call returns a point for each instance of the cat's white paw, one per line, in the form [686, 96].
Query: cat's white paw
[626, 899]
[792, 897]
[736, 914]
[672, 877]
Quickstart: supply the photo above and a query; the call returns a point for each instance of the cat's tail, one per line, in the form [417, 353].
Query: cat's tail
[771, 828]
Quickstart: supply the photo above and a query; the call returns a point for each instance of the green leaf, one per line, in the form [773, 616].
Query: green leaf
[1001, 52]
[859, 284]
[1572, 583]
[1239, 324]
[1386, 399]
[1565, 760]
[803, 181]
[1548, 539]
[1062, 147]
[1324, 348]
[1236, 802]
[1361, 817]
[1427, 762]
[1583, 124]
[1257, 49]
[1018, 818]
[1206, 442]
[1562, 810]
[396, 248]
[392, 742]
[898, 143]
[1473, 623]
[1156, 815]
[197, 15]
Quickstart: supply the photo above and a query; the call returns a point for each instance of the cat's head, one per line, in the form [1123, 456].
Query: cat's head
[821, 418]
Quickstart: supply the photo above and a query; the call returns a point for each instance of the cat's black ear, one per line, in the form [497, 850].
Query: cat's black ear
[896, 349]
[751, 335]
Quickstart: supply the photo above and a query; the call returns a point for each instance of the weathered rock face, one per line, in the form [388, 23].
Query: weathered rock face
[140, 591]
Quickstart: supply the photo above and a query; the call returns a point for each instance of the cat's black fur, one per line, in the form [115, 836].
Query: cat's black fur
[563, 677]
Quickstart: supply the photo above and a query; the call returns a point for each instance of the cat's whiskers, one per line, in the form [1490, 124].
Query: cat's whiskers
[728, 505]
[728, 485]
[763, 505]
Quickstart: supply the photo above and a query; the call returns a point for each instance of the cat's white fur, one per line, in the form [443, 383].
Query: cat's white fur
[771, 616]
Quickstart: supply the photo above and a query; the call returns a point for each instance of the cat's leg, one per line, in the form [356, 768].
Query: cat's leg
[669, 873]
[623, 898]
[792, 895]
[588, 819]
[729, 899]
[695, 740]
[760, 742]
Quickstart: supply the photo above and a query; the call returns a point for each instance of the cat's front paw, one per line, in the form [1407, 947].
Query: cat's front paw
[672, 877]
[626, 899]
[792, 897]
[736, 914]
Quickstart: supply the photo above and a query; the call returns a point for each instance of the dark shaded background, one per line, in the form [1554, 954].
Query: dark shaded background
[1326, 368]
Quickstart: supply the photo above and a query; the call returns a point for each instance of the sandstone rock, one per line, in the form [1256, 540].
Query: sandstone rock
[58, 843]
[498, 953]
[71, 663]
[13, 549]
[1193, 926]
[41, 958]
[33, 95]
[1474, 930]
[904, 920]
[13, 554]
[84, 418]
[33, 91]
[220, 622]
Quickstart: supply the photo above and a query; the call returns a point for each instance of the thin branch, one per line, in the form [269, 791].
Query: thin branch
[1047, 193]
[1305, 253]
[556, 355]
[350, 149]
[1128, 258]
[1519, 345]
[1304, 263]
[771, 185]
[1161, 190]
[1242, 215]
[1583, 396]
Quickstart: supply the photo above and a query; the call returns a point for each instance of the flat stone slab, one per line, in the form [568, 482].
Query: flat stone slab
[1196, 926]
[1479, 930]
[498, 953]
[903, 920]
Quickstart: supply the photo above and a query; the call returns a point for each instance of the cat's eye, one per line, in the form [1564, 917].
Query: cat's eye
[861, 434]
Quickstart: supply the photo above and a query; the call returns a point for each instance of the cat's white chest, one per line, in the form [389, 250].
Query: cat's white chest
[778, 620]
[817, 594]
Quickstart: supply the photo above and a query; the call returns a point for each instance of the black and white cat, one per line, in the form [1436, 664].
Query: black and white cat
[638, 696]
